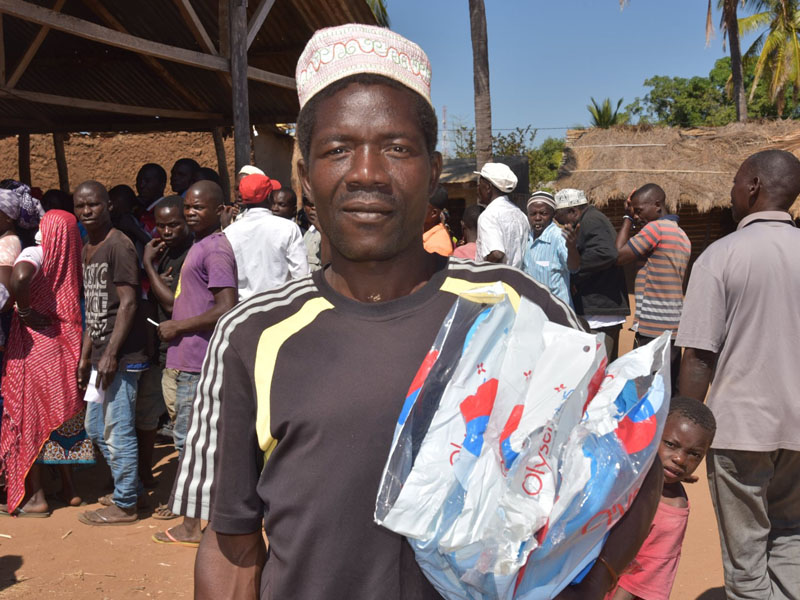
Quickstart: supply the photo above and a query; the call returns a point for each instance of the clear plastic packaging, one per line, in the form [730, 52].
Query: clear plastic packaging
[518, 449]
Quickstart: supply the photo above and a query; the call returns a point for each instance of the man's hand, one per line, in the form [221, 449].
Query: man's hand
[36, 320]
[229, 212]
[82, 373]
[168, 330]
[628, 206]
[153, 250]
[570, 233]
[106, 370]
[167, 277]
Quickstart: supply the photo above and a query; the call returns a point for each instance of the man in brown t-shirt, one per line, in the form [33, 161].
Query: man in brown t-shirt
[112, 353]
[302, 385]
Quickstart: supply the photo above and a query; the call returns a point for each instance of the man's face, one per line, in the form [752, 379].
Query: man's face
[484, 191]
[432, 218]
[540, 215]
[171, 226]
[645, 210]
[369, 173]
[741, 192]
[283, 205]
[567, 216]
[180, 177]
[311, 211]
[91, 209]
[149, 185]
[201, 212]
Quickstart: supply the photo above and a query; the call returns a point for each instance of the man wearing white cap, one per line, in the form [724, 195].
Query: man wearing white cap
[502, 227]
[599, 292]
[303, 385]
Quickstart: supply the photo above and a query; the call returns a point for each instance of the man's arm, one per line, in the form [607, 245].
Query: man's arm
[229, 566]
[571, 240]
[84, 368]
[624, 540]
[224, 300]
[625, 252]
[599, 251]
[107, 367]
[697, 367]
[495, 256]
[297, 255]
[163, 294]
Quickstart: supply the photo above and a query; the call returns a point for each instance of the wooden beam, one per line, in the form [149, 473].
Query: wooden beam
[223, 26]
[262, 10]
[125, 109]
[26, 59]
[98, 33]
[101, 11]
[237, 16]
[61, 162]
[24, 153]
[2, 53]
[196, 26]
[222, 162]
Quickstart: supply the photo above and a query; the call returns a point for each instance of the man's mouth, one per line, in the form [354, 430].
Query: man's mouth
[673, 472]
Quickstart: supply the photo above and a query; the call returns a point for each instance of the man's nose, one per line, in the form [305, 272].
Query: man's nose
[367, 168]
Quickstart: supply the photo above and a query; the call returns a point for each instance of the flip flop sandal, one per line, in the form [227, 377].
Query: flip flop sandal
[173, 541]
[21, 514]
[100, 520]
[163, 513]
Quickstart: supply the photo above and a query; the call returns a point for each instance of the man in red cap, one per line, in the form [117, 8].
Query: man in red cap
[269, 250]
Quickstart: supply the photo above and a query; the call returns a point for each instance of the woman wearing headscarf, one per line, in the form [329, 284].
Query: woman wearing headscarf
[42, 421]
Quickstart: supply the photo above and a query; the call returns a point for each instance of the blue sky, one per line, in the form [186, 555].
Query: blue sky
[547, 58]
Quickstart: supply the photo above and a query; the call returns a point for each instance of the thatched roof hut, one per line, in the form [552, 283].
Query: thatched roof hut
[694, 166]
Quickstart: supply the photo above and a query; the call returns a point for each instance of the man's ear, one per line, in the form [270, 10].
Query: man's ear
[436, 172]
[755, 189]
[302, 172]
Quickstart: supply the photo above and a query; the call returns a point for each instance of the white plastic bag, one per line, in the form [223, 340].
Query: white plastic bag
[516, 451]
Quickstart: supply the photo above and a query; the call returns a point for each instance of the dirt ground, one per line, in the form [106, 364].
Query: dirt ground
[60, 557]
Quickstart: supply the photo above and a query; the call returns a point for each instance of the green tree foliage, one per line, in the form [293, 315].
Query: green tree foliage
[604, 116]
[705, 101]
[543, 161]
[776, 51]
[378, 8]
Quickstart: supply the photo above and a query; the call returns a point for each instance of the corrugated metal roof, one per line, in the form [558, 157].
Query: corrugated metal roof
[70, 66]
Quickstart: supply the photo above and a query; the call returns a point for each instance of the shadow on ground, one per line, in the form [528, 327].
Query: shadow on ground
[8, 570]
[717, 593]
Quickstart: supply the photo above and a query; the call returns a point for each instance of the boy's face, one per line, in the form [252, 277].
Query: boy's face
[683, 446]
[171, 226]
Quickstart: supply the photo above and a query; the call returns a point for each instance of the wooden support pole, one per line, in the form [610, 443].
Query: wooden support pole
[222, 163]
[262, 10]
[237, 17]
[31, 51]
[2, 53]
[24, 142]
[61, 162]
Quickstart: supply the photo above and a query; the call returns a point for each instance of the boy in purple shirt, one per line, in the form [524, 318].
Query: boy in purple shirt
[206, 290]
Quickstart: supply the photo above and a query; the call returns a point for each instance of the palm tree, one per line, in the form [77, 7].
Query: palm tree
[730, 29]
[480, 74]
[378, 8]
[777, 49]
[603, 116]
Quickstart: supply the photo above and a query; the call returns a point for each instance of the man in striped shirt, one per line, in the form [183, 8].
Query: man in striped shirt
[664, 249]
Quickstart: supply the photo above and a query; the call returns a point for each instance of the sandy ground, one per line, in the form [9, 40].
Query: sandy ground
[60, 557]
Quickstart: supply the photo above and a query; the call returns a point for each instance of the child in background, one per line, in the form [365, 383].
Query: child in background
[688, 433]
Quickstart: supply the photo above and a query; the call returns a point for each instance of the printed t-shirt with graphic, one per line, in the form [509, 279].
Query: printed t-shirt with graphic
[659, 283]
[172, 258]
[305, 454]
[209, 264]
[114, 263]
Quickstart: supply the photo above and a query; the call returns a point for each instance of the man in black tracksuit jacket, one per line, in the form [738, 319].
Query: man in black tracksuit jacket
[599, 293]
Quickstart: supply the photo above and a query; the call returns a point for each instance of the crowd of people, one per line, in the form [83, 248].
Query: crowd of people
[276, 341]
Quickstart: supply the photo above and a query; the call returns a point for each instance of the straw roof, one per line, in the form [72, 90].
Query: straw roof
[694, 166]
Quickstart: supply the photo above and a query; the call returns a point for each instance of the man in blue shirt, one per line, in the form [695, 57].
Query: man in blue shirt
[551, 253]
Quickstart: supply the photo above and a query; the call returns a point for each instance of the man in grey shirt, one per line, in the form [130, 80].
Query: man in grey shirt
[740, 328]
